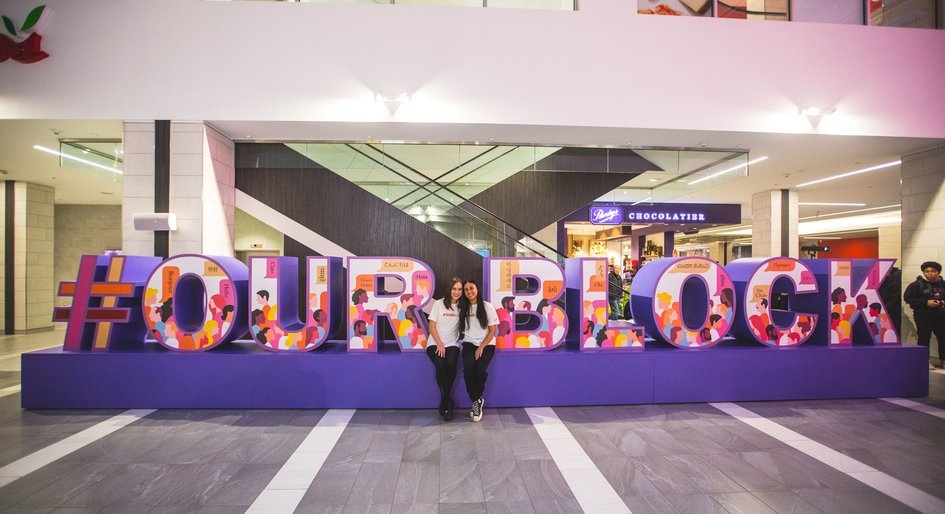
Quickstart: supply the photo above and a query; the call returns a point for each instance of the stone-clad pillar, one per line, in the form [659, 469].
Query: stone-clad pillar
[137, 185]
[29, 234]
[923, 221]
[202, 188]
[774, 224]
[203, 179]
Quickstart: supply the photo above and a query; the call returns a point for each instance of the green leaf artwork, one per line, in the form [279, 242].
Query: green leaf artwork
[8, 23]
[32, 18]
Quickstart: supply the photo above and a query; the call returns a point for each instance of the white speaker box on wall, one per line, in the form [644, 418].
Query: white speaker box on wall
[155, 221]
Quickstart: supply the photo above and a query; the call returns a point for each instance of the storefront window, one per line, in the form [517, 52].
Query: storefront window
[776, 10]
[848, 12]
[903, 13]
[675, 7]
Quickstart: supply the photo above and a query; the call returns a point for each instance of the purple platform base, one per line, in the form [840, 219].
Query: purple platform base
[245, 376]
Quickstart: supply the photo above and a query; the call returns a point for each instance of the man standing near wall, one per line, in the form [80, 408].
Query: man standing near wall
[614, 291]
[926, 296]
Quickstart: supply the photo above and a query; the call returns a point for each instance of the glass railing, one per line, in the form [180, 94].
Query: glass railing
[436, 183]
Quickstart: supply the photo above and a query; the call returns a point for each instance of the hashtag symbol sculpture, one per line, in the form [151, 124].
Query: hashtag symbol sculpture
[94, 302]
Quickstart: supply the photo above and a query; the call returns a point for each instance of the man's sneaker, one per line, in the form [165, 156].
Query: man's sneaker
[477, 409]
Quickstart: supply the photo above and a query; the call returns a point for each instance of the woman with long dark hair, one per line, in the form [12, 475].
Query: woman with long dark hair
[479, 321]
[443, 344]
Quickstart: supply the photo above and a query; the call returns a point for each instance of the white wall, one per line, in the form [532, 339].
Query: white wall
[603, 66]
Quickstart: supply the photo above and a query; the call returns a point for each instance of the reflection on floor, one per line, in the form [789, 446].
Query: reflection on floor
[864, 455]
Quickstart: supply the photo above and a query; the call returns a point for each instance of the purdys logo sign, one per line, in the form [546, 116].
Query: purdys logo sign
[194, 303]
[606, 215]
[25, 44]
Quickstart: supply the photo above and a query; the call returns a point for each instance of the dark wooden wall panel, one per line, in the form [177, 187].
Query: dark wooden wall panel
[532, 200]
[347, 214]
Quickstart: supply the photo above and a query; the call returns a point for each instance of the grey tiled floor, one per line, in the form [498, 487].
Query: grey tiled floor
[658, 458]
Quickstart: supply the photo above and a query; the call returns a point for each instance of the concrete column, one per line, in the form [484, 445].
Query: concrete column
[33, 248]
[774, 224]
[669, 242]
[923, 221]
[203, 179]
[890, 243]
[202, 188]
[138, 185]
[720, 252]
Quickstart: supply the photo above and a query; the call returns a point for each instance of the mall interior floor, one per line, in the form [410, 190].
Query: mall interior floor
[856, 455]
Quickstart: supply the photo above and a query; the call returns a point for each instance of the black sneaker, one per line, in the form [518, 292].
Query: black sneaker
[442, 408]
[448, 412]
[477, 409]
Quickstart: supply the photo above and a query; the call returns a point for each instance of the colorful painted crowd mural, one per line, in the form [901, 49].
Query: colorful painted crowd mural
[758, 276]
[190, 301]
[273, 282]
[194, 303]
[391, 288]
[666, 282]
[588, 302]
[533, 304]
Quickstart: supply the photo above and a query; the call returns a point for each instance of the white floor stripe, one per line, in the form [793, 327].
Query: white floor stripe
[286, 489]
[921, 407]
[7, 391]
[882, 482]
[53, 452]
[592, 491]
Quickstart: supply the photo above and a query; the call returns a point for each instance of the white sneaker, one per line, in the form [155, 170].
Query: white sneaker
[477, 409]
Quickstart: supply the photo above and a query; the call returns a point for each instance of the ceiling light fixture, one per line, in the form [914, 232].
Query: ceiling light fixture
[854, 211]
[729, 170]
[816, 112]
[834, 204]
[77, 159]
[851, 173]
[399, 99]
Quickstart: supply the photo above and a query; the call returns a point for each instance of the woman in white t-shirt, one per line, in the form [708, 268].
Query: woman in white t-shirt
[443, 343]
[479, 322]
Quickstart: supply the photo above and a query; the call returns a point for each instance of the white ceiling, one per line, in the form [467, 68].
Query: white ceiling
[792, 158]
